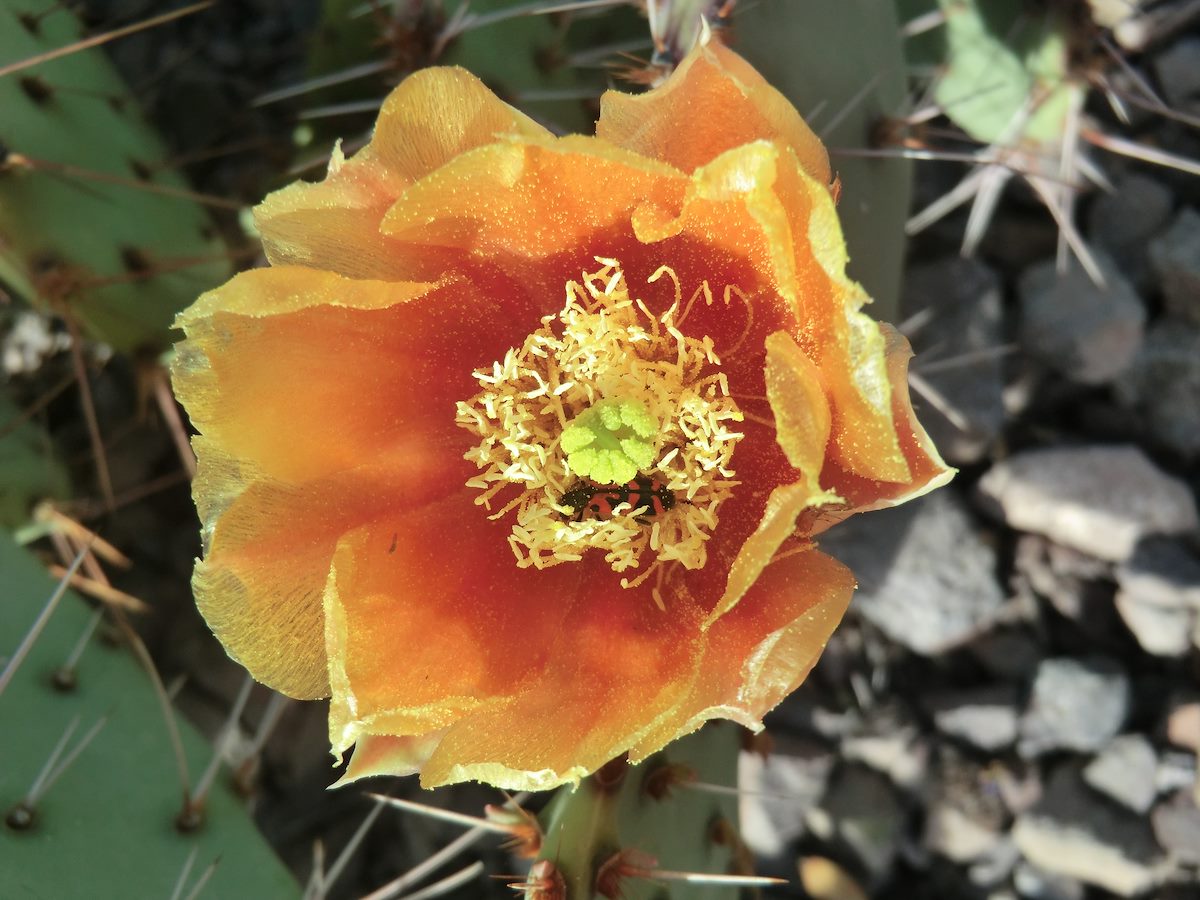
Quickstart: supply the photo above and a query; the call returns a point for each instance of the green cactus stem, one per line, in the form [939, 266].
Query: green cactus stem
[623, 820]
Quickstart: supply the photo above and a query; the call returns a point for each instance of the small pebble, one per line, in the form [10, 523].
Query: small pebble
[1086, 332]
[1160, 630]
[1178, 70]
[1183, 725]
[1126, 771]
[983, 717]
[864, 813]
[1124, 221]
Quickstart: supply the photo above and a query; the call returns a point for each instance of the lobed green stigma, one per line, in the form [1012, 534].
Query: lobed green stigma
[611, 441]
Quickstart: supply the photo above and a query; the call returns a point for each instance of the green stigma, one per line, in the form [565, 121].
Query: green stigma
[611, 441]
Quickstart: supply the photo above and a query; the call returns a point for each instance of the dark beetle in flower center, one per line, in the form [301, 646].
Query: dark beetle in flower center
[644, 495]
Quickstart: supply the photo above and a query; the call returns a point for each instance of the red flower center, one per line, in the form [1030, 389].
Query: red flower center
[609, 429]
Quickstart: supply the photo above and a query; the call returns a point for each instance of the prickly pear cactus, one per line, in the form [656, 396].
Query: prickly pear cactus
[106, 828]
[1003, 68]
[92, 218]
[611, 836]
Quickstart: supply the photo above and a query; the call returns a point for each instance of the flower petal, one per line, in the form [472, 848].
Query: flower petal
[531, 200]
[713, 102]
[631, 677]
[802, 426]
[432, 117]
[429, 619]
[619, 666]
[928, 470]
[763, 648]
[300, 373]
[380, 754]
[320, 399]
[794, 390]
[757, 203]
[267, 549]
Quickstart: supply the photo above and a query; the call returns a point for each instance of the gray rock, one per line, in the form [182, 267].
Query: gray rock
[1076, 833]
[1177, 827]
[1047, 564]
[1160, 630]
[1175, 259]
[958, 836]
[1033, 883]
[983, 717]
[1101, 500]
[1178, 70]
[861, 809]
[1124, 221]
[1007, 653]
[957, 352]
[1126, 771]
[926, 577]
[1162, 388]
[834, 724]
[1087, 333]
[779, 792]
[900, 753]
[1075, 704]
[1162, 572]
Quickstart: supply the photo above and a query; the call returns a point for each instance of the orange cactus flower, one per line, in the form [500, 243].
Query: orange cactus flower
[517, 449]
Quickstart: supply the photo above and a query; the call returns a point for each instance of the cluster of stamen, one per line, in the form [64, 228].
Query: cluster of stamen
[606, 393]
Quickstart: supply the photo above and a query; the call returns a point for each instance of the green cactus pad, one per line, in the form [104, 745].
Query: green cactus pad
[1003, 68]
[108, 822]
[124, 259]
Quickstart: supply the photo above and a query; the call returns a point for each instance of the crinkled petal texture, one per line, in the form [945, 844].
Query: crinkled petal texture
[343, 554]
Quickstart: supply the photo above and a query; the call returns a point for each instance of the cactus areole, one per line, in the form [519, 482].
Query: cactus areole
[518, 449]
